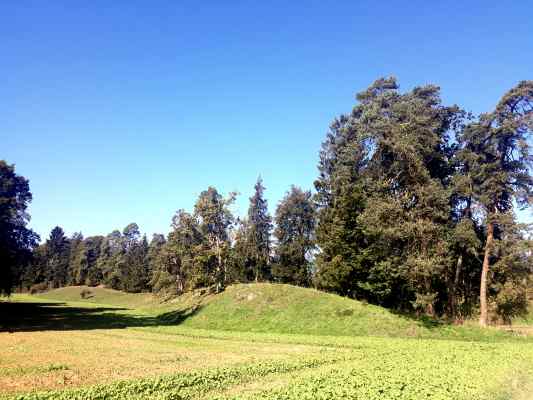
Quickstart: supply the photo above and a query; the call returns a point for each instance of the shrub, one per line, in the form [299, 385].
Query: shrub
[511, 302]
[39, 288]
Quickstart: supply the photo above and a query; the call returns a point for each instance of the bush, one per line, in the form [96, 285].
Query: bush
[39, 288]
[511, 302]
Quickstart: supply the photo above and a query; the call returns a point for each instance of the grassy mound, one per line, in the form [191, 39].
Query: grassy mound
[273, 308]
[264, 307]
[101, 295]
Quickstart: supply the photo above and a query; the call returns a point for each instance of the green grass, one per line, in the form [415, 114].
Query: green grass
[103, 296]
[253, 341]
[274, 308]
[289, 309]
[359, 368]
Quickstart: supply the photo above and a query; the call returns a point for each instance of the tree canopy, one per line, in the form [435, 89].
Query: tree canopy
[413, 209]
[16, 240]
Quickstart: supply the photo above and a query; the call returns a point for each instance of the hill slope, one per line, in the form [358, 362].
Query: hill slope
[263, 307]
[275, 308]
[103, 296]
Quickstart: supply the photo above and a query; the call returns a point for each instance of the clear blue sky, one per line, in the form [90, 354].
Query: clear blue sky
[121, 111]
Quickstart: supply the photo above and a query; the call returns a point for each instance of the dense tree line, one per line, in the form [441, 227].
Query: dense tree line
[414, 209]
[206, 248]
[415, 202]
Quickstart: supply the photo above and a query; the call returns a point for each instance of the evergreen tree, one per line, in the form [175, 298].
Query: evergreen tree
[132, 266]
[35, 271]
[154, 250]
[384, 199]
[176, 268]
[295, 224]
[241, 269]
[344, 263]
[57, 258]
[215, 218]
[111, 251]
[259, 226]
[91, 251]
[409, 196]
[16, 240]
[497, 156]
[76, 267]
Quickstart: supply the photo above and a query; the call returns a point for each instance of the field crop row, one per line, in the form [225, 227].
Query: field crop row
[182, 386]
[371, 368]
[400, 376]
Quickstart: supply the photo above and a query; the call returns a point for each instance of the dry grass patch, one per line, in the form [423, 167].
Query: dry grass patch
[57, 359]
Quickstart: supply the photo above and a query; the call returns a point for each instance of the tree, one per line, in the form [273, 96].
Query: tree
[76, 267]
[497, 155]
[259, 226]
[295, 224]
[176, 268]
[57, 257]
[408, 207]
[341, 263]
[154, 250]
[383, 196]
[215, 219]
[91, 250]
[35, 270]
[16, 240]
[133, 267]
[111, 251]
[511, 270]
[241, 269]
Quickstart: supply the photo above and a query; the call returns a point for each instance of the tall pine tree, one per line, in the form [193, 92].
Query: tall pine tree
[259, 227]
[295, 226]
[57, 257]
[496, 153]
[384, 199]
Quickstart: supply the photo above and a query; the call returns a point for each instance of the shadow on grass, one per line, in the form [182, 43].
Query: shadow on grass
[422, 321]
[31, 317]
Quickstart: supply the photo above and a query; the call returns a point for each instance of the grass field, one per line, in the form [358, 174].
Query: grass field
[252, 341]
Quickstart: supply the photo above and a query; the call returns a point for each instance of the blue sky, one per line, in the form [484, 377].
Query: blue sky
[126, 110]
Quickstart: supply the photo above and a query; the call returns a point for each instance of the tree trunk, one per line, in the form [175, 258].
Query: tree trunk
[483, 315]
[453, 288]
[219, 277]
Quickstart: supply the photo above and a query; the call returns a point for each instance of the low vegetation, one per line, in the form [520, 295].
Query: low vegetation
[414, 209]
[246, 343]
[413, 214]
[264, 307]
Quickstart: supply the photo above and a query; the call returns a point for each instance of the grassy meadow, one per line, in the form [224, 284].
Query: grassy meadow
[254, 341]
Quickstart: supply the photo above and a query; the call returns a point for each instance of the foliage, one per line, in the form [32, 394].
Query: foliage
[294, 233]
[258, 228]
[16, 240]
[175, 269]
[405, 186]
[57, 258]
[296, 365]
[497, 158]
[84, 256]
[215, 220]
[413, 210]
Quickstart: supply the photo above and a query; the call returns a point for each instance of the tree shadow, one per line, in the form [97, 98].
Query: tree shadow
[422, 321]
[178, 316]
[36, 316]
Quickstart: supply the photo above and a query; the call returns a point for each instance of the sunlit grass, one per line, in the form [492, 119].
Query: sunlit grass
[253, 341]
